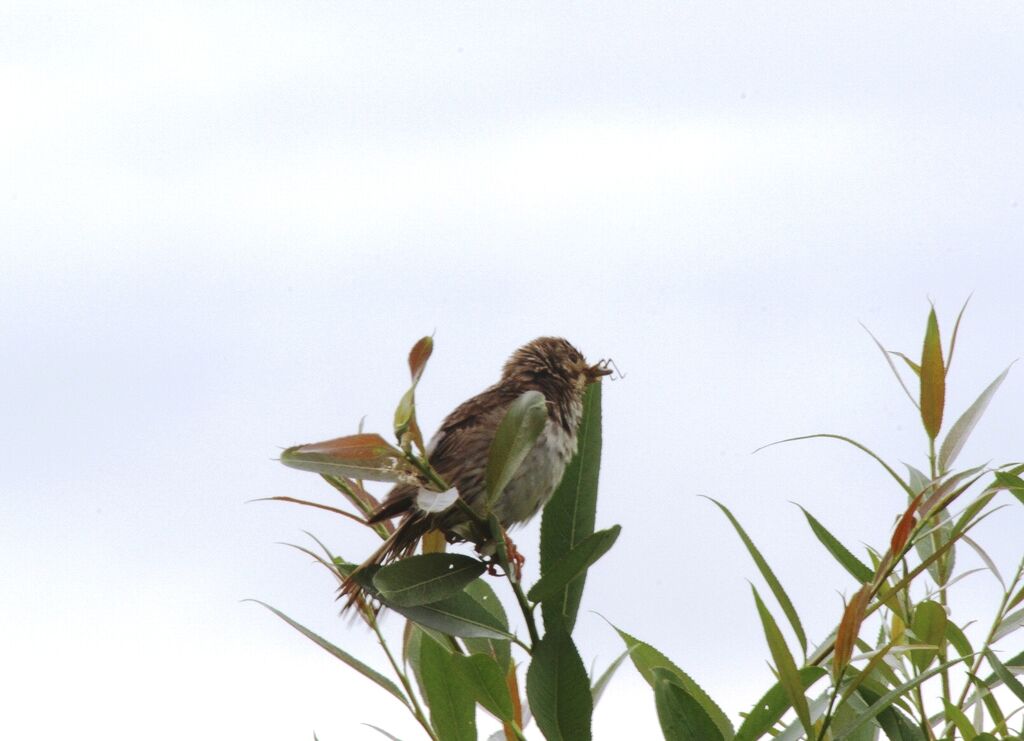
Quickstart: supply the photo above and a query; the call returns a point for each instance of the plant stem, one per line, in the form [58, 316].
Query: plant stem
[1000, 615]
[831, 703]
[414, 706]
[498, 533]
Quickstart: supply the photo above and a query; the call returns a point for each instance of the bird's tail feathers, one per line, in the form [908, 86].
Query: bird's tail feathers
[400, 544]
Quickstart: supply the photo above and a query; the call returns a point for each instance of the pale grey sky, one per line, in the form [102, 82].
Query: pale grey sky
[223, 225]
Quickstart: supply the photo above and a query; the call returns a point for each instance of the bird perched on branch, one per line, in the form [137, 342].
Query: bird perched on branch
[460, 450]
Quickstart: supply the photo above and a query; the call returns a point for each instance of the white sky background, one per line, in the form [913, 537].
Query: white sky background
[224, 226]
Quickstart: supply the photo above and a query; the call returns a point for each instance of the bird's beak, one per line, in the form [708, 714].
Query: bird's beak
[597, 370]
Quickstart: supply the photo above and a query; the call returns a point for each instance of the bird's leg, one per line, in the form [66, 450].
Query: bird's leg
[515, 558]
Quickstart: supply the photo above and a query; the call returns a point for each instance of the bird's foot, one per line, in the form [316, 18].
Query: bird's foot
[515, 560]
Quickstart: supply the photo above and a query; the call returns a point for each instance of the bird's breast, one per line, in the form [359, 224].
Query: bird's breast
[538, 476]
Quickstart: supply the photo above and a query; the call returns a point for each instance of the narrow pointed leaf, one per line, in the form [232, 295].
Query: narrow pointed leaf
[962, 428]
[371, 674]
[1009, 624]
[599, 686]
[1005, 675]
[958, 640]
[956, 331]
[452, 707]
[419, 580]
[514, 439]
[381, 731]
[885, 701]
[569, 516]
[575, 563]
[1012, 483]
[854, 443]
[956, 716]
[646, 659]
[849, 628]
[892, 367]
[769, 577]
[681, 717]
[933, 378]
[895, 724]
[770, 708]
[784, 663]
[902, 532]
[364, 456]
[843, 556]
[558, 689]
[910, 363]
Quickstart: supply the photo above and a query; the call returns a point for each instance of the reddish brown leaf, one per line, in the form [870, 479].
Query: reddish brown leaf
[849, 627]
[906, 524]
[363, 456]
[418, 357]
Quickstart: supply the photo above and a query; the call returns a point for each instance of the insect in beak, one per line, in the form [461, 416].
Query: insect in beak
[597, 370]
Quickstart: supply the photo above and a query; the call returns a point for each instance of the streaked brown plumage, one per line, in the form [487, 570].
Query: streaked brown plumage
[459, 451]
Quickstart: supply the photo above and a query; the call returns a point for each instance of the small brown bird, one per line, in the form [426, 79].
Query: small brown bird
[459, 451]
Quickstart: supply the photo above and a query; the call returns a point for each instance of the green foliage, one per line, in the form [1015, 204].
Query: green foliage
[569, 517]
[917, 678]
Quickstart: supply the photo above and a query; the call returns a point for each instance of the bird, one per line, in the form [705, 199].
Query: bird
[460, 449]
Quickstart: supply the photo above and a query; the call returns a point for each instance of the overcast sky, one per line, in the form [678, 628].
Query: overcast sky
[224, 224]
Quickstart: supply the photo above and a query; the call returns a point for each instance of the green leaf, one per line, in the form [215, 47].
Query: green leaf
[929, 626]
[353, 662]
[419, 580]
[886, 354]
[843, 556]
[769, 577]
[412, 640]
[381, 731]
[500, 650]
[646, 659]
[1010, 482]
[407, 429]
[558, 689]
[575, 563]
[962, 428]
[1005, 675]
[854, 443]
[681, 717]
[458, 615]
[885, 701]
[599, 686]
[958, 640]
[486, 682]
[1008, 625]
[570, 514]
[956, 716]
[452, 707]
[939, 569]
[513, 441]
[364, 456]
[996, 712]
[895, 725]
[933, 378]
[770, 708]
[784, 663]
